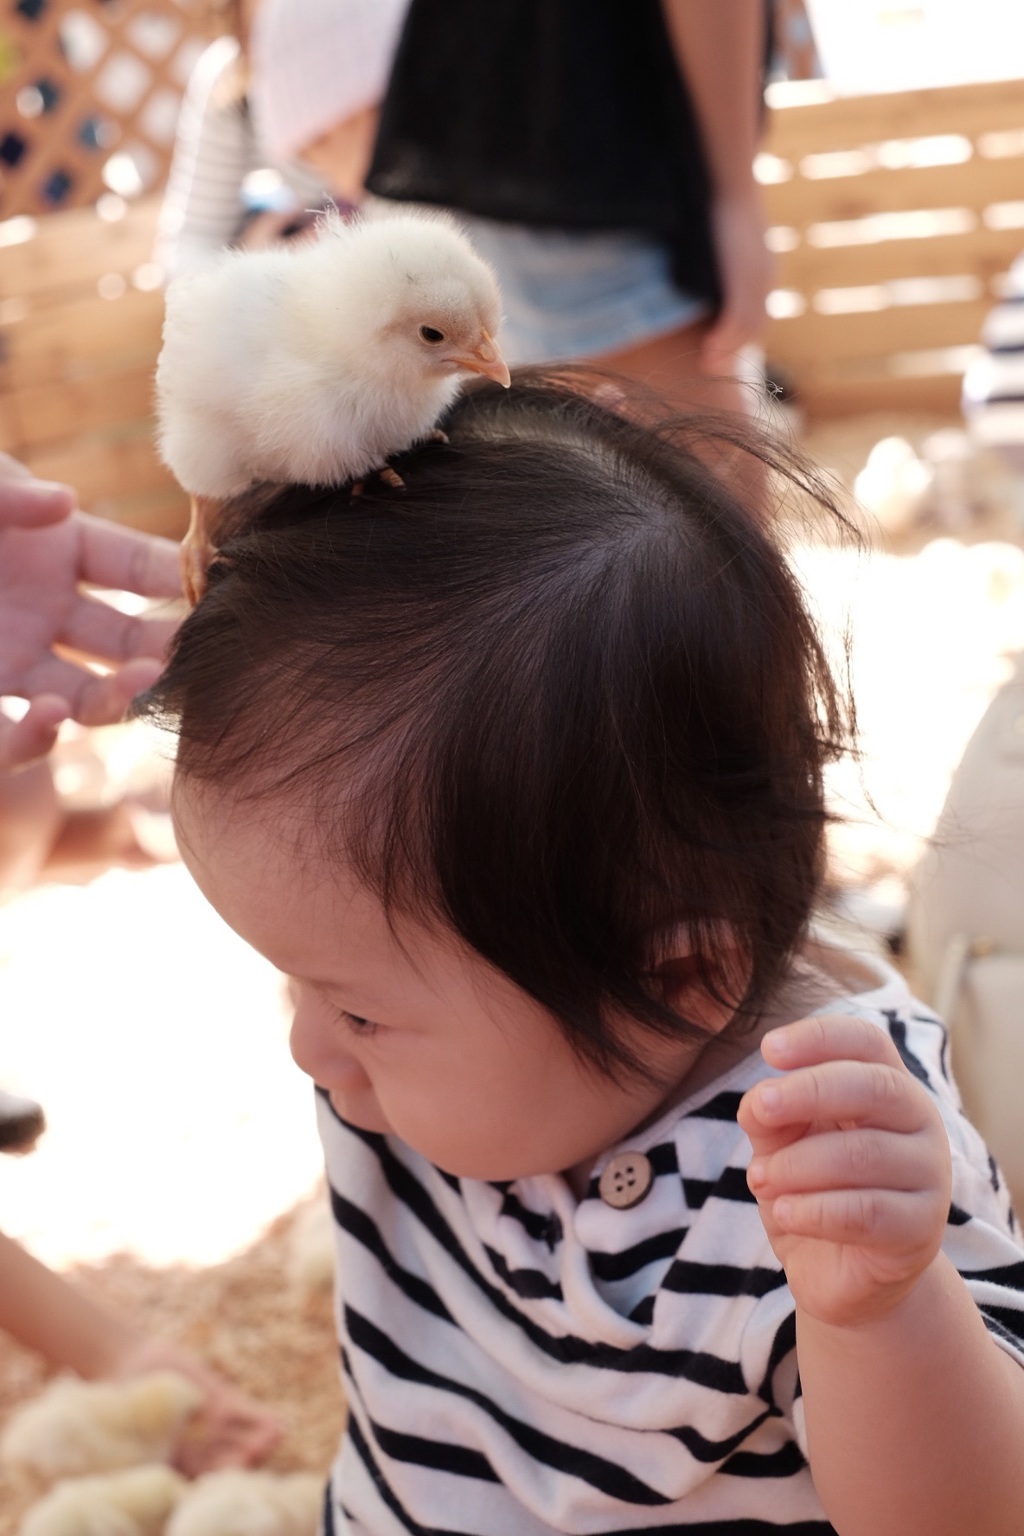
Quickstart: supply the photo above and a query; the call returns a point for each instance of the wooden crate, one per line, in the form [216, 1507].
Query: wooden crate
[894, 217]
[80, 318]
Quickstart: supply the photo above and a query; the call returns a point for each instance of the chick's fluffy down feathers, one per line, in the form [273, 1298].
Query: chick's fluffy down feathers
[250, 1504]
[79, 1426]
[132, 1503]
[312, 363]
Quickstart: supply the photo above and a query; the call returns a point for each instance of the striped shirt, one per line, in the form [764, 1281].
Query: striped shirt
[518, 1361]
[994, 385]
[216, 149]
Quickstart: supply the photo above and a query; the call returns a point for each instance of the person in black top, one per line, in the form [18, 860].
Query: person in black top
[601, 156]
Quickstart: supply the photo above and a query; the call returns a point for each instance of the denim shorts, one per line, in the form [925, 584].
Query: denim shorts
[573, 294]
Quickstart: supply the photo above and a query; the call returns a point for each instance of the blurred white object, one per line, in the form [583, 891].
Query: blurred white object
[317, 62]
[966, 926]
[900, 45]
[79, 1427]
[250, 1504]
[894, 484]
[132, 1503]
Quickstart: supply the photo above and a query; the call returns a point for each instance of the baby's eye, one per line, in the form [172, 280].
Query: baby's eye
[432, 334]
[359, 1025]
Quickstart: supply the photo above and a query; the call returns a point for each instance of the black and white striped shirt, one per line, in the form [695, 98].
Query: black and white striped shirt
[517, 1361]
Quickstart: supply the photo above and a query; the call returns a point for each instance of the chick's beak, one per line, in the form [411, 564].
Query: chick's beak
[486, 359]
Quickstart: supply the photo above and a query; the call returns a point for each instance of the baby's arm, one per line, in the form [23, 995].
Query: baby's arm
[915, 1417]
[47, 1314]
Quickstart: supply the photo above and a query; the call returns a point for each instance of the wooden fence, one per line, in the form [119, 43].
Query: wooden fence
[894, 218]
[79, 336]
[89, 97]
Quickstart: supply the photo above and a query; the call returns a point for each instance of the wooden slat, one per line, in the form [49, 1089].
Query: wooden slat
[66, 340]
[102, 469]
[8, 426]
[909, 328]
[47, 413]
[852, 121]
[974, 184]
[165, 511]
[828, 398]
[984, 253]
[72, 251]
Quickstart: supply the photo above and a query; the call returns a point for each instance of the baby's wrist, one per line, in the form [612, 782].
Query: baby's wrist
[889, 1309]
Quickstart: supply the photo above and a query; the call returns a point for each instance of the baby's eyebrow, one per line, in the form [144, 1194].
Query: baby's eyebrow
[338, 984]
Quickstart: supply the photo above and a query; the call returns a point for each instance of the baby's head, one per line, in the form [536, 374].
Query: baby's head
[517, 769]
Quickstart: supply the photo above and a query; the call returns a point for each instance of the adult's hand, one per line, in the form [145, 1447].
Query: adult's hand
[745, 267]
[48, 552]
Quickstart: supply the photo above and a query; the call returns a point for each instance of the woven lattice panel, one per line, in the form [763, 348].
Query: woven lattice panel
[89, 97]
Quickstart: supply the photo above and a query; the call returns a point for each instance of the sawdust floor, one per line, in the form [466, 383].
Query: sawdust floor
[243, 1316]
[181, 1136]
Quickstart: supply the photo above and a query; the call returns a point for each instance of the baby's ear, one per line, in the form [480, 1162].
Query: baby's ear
[702, 988]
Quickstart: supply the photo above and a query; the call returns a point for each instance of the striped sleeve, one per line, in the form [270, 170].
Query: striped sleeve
[213, 154]
[994, 385]
[983, 1237]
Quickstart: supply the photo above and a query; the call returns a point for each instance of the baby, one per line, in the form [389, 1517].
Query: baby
[515, 766]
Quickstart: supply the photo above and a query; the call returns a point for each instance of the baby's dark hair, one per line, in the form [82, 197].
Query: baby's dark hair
[559, 691]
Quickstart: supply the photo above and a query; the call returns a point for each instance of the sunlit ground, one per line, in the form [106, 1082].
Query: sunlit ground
[157, 1042]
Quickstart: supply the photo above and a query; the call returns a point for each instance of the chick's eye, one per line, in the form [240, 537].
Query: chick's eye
[432, 334]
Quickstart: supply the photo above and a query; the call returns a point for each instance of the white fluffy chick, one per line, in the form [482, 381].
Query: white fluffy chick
[894, 484]
[97, 1426]
[132, 1503]
[250, 1504]
[312, 363]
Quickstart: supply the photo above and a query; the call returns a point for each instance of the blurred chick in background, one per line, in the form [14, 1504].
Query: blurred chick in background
[312, 364]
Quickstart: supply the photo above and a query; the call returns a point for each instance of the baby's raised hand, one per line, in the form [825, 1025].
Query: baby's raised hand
[851, 1167]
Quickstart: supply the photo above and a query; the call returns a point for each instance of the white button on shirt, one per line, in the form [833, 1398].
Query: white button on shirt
[625, 1180]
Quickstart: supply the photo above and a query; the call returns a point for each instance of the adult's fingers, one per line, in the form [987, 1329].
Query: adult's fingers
[29, 739]
[26, 502]
[95, 628]
[124, 559]
[92, 698]
[726, 337]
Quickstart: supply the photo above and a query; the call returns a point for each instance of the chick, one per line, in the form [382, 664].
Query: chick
[79, 1427]
[313, 363]
[250, 1504]
[132, 1503]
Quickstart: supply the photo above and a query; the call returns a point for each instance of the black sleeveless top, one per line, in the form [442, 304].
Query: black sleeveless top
[567, 114]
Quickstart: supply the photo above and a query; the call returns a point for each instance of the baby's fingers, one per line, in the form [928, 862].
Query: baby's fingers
[851, 1160]
[839, 1093]
[881, 1219]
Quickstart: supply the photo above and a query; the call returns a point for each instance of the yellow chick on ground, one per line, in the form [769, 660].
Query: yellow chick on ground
[79, 1427]
[128, 1503]
[250, 1504]
[312, 363]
